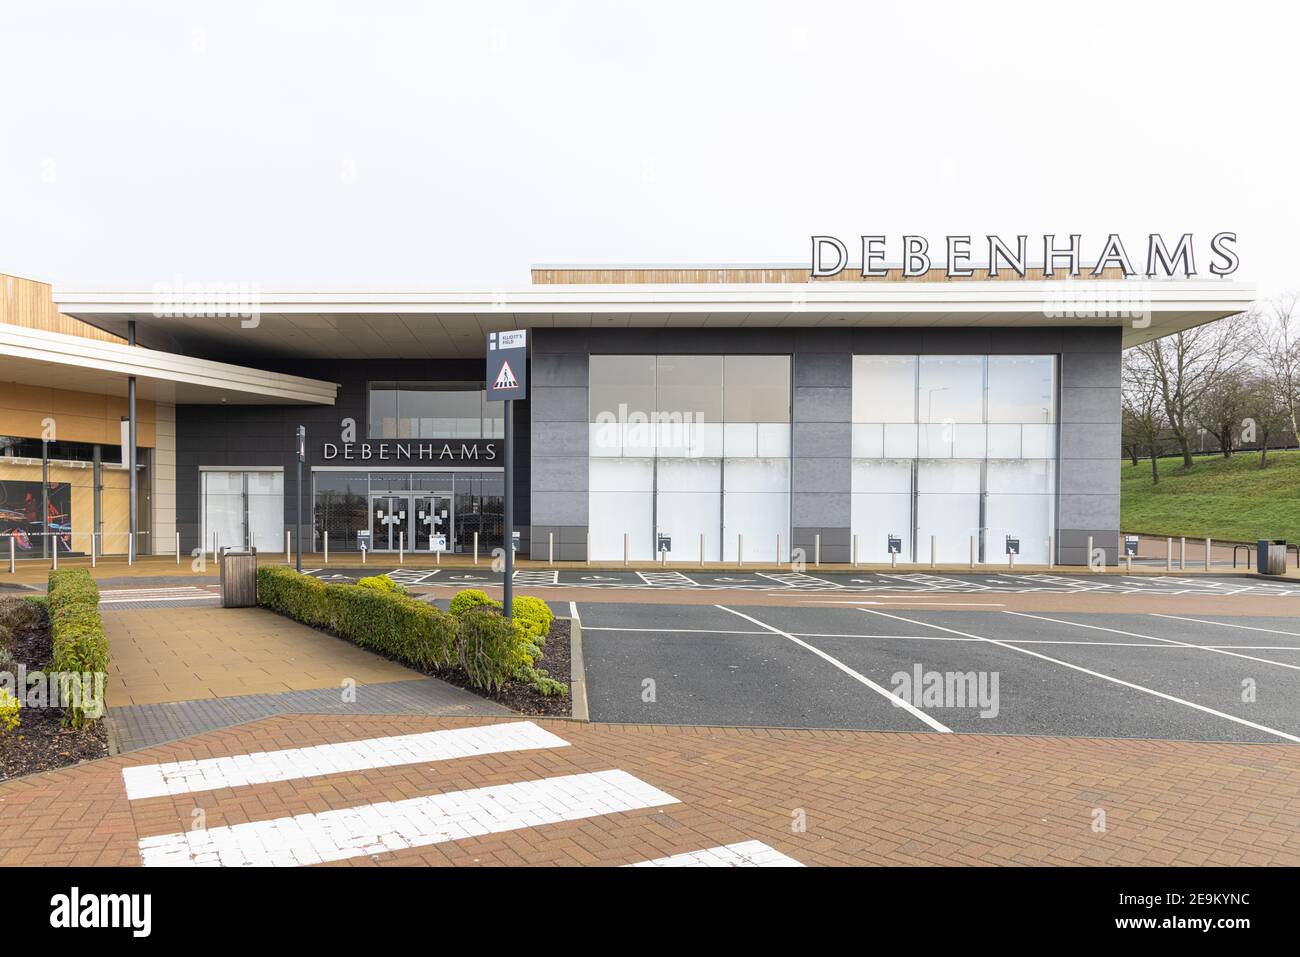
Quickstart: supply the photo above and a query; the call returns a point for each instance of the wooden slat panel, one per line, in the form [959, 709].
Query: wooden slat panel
[26, 302]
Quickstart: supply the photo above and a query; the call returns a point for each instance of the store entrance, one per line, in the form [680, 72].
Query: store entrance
[433, 522]
[390, 520]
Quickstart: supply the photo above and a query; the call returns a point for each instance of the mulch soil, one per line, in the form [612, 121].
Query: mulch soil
[40, 743]
[522, 697]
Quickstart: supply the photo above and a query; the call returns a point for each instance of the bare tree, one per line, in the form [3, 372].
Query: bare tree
[1277, 328]
[1143, 407]
[1183, 368]
[1220, 410]
[1266, 415]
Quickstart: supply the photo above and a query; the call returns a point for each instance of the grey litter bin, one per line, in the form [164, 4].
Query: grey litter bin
[239, 579]
[1270, 557]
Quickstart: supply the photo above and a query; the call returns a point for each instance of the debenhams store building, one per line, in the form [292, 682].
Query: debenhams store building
[729, 412]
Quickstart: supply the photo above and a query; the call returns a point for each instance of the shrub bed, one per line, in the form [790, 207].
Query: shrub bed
[79, 643]
[489, 649]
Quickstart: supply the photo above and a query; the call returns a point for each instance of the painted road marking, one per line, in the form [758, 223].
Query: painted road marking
[1170, 641]
[399, 825]
[1096, 674]
[179, 593]
[744, 854]
[856, 676]
[263, 767]
[1228, 624]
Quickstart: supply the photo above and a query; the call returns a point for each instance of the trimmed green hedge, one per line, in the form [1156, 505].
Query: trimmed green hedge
[373, 617]
[490, 649]
[78, 635]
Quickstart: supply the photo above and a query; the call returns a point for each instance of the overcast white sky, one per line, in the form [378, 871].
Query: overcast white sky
[408, 143]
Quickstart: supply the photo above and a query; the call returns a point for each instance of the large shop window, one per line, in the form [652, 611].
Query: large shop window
[946, 448]
[433, 410]
[243, 508]
[689, 446]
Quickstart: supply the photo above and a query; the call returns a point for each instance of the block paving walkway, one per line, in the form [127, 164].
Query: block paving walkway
[567, 793]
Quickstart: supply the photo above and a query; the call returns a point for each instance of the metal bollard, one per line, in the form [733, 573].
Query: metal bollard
[972, 551]
[893, 559]
[625, 549]
[1051, 553]
[54, 560]
[1089, 556]
[288, 547]
[1182, 554]
[740, 549]
[817, 550]
[778, 548]
[701, 549]
[13, 566]
[1208, 546]
[855, 550]
[476, 546]
[933, 551]
[401, 548]
[1011, 559]
[1169, 554]
[327, 548]
[550, 547]
[178, 548]
[130, 547]
[363, 553]
[92, 549]
[589, 548]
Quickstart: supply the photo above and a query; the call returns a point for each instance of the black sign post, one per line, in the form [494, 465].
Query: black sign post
[302, 457]
[507, 380]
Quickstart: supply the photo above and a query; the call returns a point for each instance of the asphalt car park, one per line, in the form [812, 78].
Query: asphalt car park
[1212, 678]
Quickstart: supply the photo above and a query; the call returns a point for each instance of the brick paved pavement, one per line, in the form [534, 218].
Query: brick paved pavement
[867, 797]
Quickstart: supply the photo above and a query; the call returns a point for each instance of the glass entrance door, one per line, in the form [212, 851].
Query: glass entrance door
[390, 519]
[433, 522]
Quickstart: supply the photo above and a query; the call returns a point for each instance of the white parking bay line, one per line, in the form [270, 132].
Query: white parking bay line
[1096, 674]
[1229, 624]
[744, 854]
[209, 774]
[399, 825]
[1167, 641]
[856, 676]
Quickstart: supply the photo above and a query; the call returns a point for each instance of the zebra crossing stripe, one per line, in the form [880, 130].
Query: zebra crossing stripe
[744, 854]
[399, 825]
[264, 767]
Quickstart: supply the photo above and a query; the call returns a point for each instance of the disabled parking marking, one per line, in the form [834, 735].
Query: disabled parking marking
[1096, 674]
[1167, 641]
[855, 675]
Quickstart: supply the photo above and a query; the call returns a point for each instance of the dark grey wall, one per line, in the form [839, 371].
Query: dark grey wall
[821, 476]
[233, 436]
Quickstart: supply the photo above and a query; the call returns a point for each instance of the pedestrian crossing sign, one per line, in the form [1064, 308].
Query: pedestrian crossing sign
[507, 365]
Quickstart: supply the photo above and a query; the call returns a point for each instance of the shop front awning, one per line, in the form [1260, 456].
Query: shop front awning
[53, 360]
[388, 323]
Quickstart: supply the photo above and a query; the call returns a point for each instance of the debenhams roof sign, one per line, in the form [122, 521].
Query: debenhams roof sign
[830, 256]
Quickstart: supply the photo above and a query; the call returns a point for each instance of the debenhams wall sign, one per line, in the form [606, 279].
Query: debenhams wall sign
[414, 450]
[830, 256]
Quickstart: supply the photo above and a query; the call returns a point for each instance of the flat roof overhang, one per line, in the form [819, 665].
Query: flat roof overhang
[54, 360]
[407, 323]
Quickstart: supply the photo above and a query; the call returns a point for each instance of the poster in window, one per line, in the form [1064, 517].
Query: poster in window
[20, 515]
